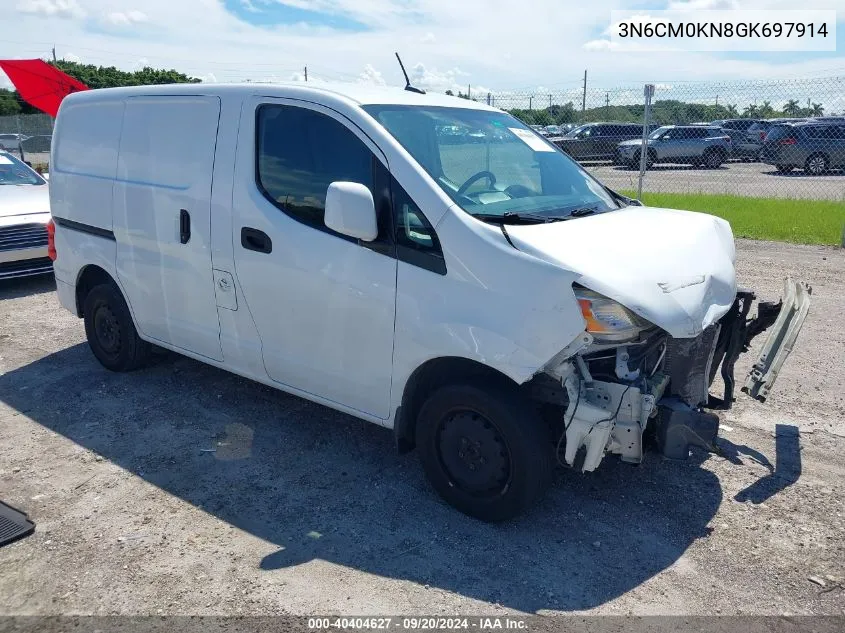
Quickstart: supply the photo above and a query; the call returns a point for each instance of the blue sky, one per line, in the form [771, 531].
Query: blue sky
[499, 46]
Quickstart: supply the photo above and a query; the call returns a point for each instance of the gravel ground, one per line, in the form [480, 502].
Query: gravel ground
[182, 489]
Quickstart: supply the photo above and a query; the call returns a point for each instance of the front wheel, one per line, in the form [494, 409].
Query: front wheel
[111, 334]
[484, 449]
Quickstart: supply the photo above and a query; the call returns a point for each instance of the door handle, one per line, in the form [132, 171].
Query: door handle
[255, 240]
[184, 226]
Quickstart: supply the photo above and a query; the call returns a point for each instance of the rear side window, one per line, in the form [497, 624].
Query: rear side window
[89, 139]
[300, 153]
[778, 131]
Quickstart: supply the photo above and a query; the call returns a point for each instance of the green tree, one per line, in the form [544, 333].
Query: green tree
[751, 112]
[766, 110]
[791, 108]
[110, 77]
[817, 109]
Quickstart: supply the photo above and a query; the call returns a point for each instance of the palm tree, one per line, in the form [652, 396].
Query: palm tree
[751, 111]
[732, 111]
[792, 108]
[766, 110]
[817, 109]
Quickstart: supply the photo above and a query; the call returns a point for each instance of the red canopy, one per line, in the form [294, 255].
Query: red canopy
[41, 85]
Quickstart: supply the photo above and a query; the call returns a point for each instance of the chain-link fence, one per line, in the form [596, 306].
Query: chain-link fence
[768, 139]
[28, 136]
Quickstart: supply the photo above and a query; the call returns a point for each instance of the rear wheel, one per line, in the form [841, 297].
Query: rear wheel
[713, 159]
[111, 334]
[816, 164]
[650, 159]
[484, 449]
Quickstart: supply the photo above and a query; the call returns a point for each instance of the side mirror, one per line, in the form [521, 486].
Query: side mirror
[350, 210]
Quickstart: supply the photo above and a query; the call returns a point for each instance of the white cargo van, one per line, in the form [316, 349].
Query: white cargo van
[426, 263]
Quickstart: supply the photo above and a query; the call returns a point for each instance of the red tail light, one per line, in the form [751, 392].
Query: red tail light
[51, 240]
[788, 141]
[762, 136]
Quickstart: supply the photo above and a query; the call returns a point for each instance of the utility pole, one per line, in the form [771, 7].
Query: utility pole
[54, 54]
[584, 98]
[488, 98]
[530, 103]
[550, 102]
[717, 101]
[469, 91]
[306, 73]
[606, 105]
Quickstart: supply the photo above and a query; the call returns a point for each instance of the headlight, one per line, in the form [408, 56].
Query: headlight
[607, 320]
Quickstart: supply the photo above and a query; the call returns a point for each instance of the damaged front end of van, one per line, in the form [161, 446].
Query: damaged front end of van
[654, 345]
[614, 393]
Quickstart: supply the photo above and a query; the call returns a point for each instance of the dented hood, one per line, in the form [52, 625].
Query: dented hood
[673, 268]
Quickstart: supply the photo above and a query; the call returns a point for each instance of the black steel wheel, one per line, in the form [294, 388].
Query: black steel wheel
[484, 449]
[111, 333]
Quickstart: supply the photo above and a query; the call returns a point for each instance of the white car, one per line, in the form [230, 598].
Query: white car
[24, 213]
[490, 305]
[12, 142]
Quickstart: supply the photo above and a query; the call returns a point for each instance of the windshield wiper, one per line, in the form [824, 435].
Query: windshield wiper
[582, 211]
[512, 217]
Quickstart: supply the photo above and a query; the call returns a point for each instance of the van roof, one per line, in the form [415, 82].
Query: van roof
[358, 94]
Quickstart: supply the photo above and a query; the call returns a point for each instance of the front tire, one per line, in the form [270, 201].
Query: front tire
[111, 334]
[484, 449]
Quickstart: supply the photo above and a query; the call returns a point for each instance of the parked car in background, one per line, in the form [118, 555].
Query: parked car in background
[738, 125]
[24, 213]
[812, 146]
[748, 145]
[691, 144]
[38, 144]
[11, 142]
[552, 130]
[597, 141]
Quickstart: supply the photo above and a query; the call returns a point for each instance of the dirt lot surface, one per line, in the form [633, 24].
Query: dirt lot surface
[183, 489]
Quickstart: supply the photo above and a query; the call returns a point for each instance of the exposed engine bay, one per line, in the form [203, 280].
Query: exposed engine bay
[611, 394]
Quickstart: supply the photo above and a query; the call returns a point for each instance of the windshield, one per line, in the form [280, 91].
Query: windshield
[658, 132]
[500, 167]
[14, 172]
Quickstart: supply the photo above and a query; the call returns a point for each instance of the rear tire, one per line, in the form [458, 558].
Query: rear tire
[713, 159]
[485, 449]
[111, 333]
[817, 164]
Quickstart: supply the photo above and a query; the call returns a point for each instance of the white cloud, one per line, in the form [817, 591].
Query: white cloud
[126, 18]
[249, 6]
[51, 8]
[445, 44]
[372, 76]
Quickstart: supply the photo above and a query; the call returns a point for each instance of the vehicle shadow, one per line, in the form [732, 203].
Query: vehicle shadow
[25, 286]
[322, 485]
[664, 167]
[800, 173]
[785, 472]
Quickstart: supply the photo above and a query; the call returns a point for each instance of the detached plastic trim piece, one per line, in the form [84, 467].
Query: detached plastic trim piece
[14, 524]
